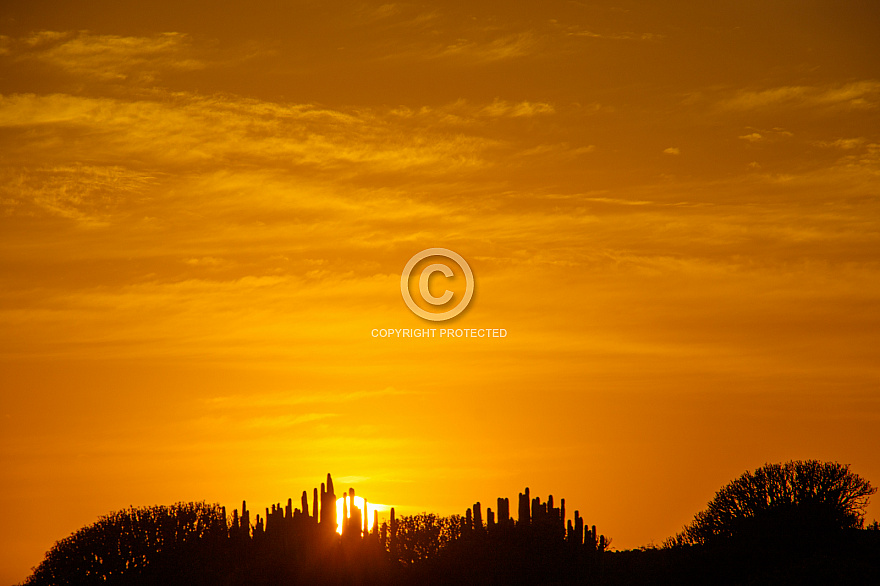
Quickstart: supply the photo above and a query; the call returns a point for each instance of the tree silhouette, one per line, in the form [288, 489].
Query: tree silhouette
[782, 502]
[150, 543]
[421, 537]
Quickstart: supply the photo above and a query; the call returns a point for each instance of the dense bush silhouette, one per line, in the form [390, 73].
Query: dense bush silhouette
[421, 537]
[795, 500]
[137, 545]
[794, 523]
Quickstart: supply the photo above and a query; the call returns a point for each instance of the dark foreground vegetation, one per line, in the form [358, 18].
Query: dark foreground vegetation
[793, 523]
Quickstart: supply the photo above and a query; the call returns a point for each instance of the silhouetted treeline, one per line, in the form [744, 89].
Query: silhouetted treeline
[196, 544]
[536, 547]
[782, 535]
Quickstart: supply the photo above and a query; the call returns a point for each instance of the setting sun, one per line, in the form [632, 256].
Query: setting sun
[342, 506]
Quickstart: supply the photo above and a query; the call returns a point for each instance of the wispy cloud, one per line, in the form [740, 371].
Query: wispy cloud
[846, 144]
[109, 57]
[462, 112]
[757, 135]
[258, 423]
[284, 421]
[502, 108]
[190, 129]
[574, 31]
[623, 202]
[859, 94]
[470, 51]
[263, 142]
[299, 397]
[88, 194]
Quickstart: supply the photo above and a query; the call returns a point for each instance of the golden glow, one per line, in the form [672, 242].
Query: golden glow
[345, 501]
[205, 208]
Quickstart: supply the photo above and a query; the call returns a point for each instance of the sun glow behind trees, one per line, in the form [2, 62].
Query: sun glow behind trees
[342, 507]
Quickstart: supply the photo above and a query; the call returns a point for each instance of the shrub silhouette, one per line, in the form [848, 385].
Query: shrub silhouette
[781, 503]
[145, 543]
[421, 537]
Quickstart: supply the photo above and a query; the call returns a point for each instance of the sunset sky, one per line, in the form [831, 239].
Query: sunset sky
[205, 208]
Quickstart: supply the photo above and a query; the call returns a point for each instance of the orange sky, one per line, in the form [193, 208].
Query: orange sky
[205, 208]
